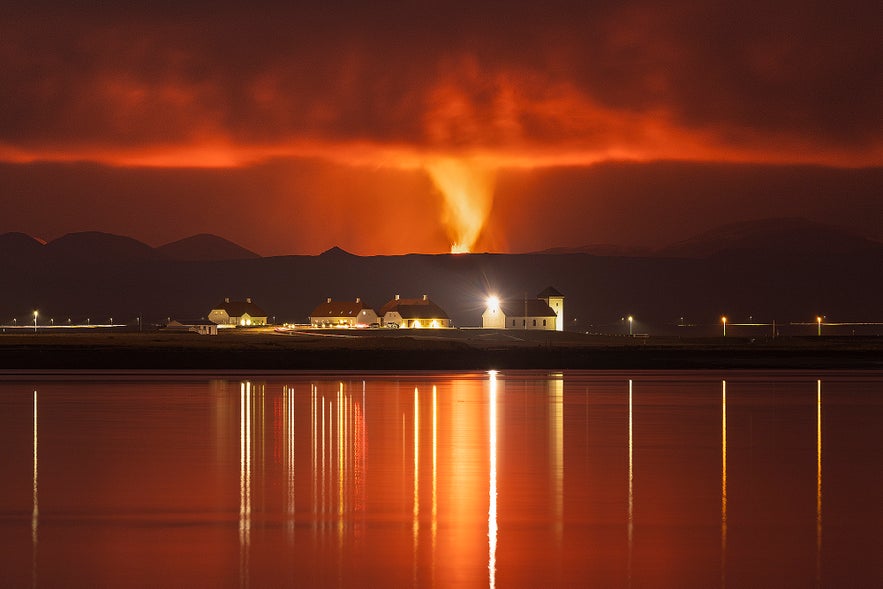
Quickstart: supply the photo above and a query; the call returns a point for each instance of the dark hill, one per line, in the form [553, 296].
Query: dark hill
[205, 247]
[97, 248]
[600, 249]
[660, 292]
[777, 237]
[17, 244]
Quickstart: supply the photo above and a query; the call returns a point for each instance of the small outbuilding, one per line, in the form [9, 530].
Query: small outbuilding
[333, 313]
[413, 313]
[237, 313]
[201, 326]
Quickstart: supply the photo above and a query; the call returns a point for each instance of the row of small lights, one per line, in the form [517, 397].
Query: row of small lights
[52, 320]
[724, 323]
[493, 302]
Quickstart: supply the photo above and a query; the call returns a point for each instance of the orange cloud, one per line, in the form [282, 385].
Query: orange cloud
[563, 84]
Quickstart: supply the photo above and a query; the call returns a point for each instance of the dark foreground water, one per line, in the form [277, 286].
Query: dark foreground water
[517, 479]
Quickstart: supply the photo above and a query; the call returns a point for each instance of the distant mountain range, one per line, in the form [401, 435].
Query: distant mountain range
[96, 246]
[780, 269]
[781, 236]
[205, 247]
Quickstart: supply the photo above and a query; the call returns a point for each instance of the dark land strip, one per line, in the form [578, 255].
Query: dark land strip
[437, 350]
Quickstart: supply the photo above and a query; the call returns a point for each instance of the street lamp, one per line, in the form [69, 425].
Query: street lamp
[819, 322]
[631, 320]
[724, 321]
[35, 321]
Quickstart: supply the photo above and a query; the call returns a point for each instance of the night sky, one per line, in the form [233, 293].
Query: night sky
[399, 127]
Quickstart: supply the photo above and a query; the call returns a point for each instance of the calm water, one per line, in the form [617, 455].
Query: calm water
[517, 479]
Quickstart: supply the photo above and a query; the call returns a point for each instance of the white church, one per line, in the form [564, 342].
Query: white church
[546, 311]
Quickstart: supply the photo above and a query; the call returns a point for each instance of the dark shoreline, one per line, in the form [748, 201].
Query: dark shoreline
[407, 350]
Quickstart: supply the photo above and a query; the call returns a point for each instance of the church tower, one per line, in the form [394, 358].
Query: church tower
[555, 300]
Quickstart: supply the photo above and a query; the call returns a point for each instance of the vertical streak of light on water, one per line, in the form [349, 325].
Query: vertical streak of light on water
[723, 483]
[322, 501]
[492, 486]
[415, 526]
[347, 450]
[819, 483]
[314, 449]
[556, 416]
[341, 433]
[290, 438]
[364, 427]
[241, 462]
[244, 481]
[434, 476]
[36, 511]
[631, 504]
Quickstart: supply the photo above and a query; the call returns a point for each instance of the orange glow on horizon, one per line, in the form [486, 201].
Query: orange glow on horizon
[473, 122]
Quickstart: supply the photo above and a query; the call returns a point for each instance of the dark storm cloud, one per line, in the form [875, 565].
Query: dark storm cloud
[642, 78]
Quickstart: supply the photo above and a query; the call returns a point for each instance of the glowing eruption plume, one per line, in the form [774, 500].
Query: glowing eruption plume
[468, 190]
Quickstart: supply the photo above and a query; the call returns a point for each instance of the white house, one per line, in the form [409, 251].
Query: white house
[242, 313]
[413, 313]
[545, 312]
[342, 314]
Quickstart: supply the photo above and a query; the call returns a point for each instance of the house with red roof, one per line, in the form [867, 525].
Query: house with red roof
[333, 313]
[237, 313]
[413, 313]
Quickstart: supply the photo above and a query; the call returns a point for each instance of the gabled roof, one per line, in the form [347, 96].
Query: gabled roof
[239, 308]
[186, 323]
[549, 292]
[526, 308]
[432, 311]
[421, 308]
[339, 309]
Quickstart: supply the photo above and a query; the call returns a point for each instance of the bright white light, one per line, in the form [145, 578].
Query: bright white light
[493, 303]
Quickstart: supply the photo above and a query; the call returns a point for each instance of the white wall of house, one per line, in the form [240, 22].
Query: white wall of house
[367, 317]
[540, 323]
[493, 318]
[393, 317]
[220, 317]
[557, 305]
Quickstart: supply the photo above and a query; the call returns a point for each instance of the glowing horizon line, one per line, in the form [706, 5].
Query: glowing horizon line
[222, 153]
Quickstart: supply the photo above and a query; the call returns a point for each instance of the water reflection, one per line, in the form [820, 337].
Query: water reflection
[338, 442]
[818, 483]
[723, 483]
[556, 449]
[630, 518]
[492, 483]
[246, 401]
[35, 513]
[415, 525]
[491, 478]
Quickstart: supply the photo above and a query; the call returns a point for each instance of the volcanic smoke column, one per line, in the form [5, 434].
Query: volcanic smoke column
[468, 190]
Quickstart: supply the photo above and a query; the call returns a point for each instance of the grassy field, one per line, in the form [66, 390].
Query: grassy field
[454, 349]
